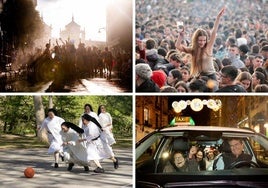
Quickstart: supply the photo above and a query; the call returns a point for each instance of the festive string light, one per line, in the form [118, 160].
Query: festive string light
[196, 104]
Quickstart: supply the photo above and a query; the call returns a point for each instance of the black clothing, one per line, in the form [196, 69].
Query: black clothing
[202, 165]
[229, 159]
[165, 67]
[232, 88]
[147, 86]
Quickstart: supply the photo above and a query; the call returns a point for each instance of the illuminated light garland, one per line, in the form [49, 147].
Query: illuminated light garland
[196, 104]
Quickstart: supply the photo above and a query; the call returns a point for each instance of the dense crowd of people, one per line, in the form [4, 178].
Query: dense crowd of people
[69, 60]
[201, 46]
[64, 62]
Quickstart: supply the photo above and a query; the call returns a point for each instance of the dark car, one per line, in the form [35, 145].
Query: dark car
[155, 152]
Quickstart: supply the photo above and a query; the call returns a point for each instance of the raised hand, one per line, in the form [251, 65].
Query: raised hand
[221, 12]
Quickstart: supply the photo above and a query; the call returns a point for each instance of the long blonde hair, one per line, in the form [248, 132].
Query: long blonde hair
[197, 67]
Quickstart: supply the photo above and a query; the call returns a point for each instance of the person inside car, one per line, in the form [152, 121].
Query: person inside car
[177, 164]
[192, 158]
[200, 160]
[227, 160]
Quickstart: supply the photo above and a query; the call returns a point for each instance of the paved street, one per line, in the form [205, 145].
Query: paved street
[97, 86]
[89, 85]
[13, 162]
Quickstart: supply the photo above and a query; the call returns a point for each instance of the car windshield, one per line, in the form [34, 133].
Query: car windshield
[190, 151]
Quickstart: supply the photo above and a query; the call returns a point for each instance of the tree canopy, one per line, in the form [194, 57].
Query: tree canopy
[17, 113]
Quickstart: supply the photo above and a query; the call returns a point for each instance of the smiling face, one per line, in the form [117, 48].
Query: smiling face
[201, 41]
[179, 160]
[199, 156]
[236, 147]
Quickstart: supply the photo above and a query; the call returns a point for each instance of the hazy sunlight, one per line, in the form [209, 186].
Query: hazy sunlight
[90, 15]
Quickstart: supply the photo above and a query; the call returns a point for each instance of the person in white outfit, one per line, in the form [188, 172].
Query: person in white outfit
[106, 122]
[74, 151]
[96, 146]
[52, 124]
[88, 110]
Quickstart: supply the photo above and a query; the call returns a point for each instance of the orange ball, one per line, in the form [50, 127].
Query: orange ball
[29, 172]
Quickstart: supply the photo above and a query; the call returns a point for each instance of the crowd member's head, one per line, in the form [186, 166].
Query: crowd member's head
[255, 49]
[261, 88]
[174, 76]
[143, 71]
[230, 41]
[176, 60]
[257, 78]
[165, 44]
[243, 49]
[159, 77]
[257, 61]
[150, 44]
[226, 61]
[197, 85]
[264, 52]
[162, 52]
[168, 89]
[187, 59]
[182, 87]
[185, 72]
[263, 71]
[199, 39]
[233, 51]
[143, 78]
[245, 79]
[228, 74]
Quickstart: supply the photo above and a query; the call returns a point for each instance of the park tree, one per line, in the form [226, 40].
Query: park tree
[17, 114]
[39, 110]
[22, 114]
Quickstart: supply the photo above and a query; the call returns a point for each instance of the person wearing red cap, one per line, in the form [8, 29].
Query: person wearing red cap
[159, 77]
